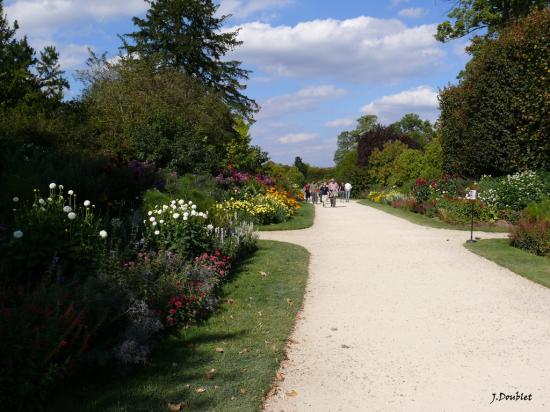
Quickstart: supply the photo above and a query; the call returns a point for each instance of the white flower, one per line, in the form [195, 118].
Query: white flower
[152, 219]
[190, 202]
[61, 187]
[70, 192]
[193, 213]
[157, 232]
[18, 234]
[67, 209]
[86, 203]
[173, 202]
[194, 207]
[50, 199]
[164, 207]
[15, 199]
[154, 224]
[176, 215]
[149, 213]
[185, 218]
[72, 216]
[173, 206]
[180, 202]
[103, 234]
[210, 227]
[53, 185]
[158, 212]
[161, 221]
[185, 214]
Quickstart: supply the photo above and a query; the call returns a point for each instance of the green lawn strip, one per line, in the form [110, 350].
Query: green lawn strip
[528, 265]
[301, 220]
[252, 327]
[428, 221]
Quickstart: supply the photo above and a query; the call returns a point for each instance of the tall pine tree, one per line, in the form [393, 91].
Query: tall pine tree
[186, 34]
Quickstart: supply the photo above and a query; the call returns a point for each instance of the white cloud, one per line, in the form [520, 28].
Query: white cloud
[363, 49]
[297, 138]
[305, 99]
[73, 55]
[412, 12]
[398, 2]
[45, 17]
[421, 100]
[242, 9]
[340, 123]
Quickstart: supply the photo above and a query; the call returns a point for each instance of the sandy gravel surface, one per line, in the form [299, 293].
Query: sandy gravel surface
[400, 317]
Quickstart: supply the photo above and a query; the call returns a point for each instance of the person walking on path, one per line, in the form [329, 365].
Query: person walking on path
[307, 192]
[323, 191]
[333, 189]
[314, 189]
[347, 191]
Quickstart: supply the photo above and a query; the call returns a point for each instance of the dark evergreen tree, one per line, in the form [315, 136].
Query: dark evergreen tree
[186, 35]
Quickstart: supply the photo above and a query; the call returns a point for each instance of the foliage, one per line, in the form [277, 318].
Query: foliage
[303, 219]
[186, 35]
[159, 116]
[240, 154]
[532, 235]
[512, 192]
[382, 162]
[413, 126]
[375, 139]
[496, 120]
[301, 166]
[347, 170]
[472, 15]
[538, 210]
[347, 140]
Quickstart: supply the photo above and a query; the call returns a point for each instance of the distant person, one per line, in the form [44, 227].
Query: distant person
[307, 192]
[347, 191]
[323, 191]
[333, 190]
[314, 189]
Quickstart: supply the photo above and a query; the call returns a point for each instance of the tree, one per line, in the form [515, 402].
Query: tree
[301, 166]
[376, 138]
[347, 140]
[497, 119]
[241, 154]
[469, 16]
[23, 77]
[413, 126]
[186, 35]
[347, 170]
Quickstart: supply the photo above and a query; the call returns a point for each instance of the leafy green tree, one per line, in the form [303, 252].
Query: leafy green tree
[186, 35]
[347, 140]
[240, 153]
[347, 170]
[382, 162]
[497, 119]
[301, 166]
[413, 126]
[468, 16]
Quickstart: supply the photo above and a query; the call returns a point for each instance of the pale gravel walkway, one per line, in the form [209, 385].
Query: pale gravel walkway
[429, 325]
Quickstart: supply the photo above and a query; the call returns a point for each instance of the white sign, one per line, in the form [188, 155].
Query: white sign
[471, 195]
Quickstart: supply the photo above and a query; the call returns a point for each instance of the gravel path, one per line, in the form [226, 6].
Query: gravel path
[400, 317]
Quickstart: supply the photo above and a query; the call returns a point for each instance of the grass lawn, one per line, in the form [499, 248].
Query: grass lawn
[428, 221]
[301, 220]
[251, 327]
[528, 265]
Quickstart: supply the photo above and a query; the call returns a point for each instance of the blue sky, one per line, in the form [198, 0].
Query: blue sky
[317, 65]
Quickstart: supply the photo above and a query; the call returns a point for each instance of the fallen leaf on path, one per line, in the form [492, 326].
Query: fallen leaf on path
[292, 393]
[345, 346]
[219, 350]
[334, 329]
[173, 407]
[280, 377]
[200, 390]
[210, 375]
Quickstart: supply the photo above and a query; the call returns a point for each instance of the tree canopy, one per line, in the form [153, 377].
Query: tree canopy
[468, 16]
[347, 140]
[186, 35]
[413, 126]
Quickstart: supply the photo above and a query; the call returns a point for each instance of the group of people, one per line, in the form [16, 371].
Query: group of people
[325, 193]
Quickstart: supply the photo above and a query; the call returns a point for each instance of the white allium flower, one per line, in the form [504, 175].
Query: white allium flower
[173, 202]
[157, 232]
[194, 207]
[152, 219]
[176, 215]
[173, 207]
[164, 207]
[149, 213]
[15, 199]
[158, 212]
[161, 221]
[18, 234]
[103, 234]
[185, 218]
[154, 224]
[180, 202]
[61, 187]
[186, 214]
[72, 216]
[53, 185]
[190, 202]
[87, 203]
[210, 227]
[67, 209]
[50, 199]
[70, 192]
[193, 213]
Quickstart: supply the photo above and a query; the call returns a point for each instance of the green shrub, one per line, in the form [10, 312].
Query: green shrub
[538, 210]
